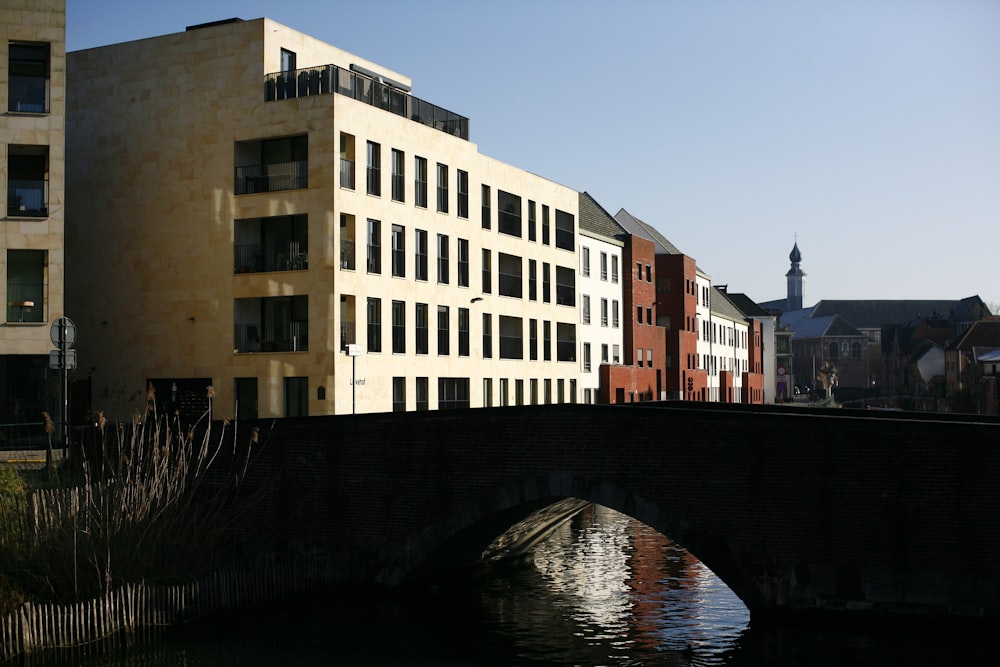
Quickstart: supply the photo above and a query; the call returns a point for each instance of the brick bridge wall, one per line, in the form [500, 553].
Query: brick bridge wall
[796, 510]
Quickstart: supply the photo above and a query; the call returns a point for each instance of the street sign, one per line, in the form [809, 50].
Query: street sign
[58, 327]
[353, 350]
[781, 371]
[56, 359]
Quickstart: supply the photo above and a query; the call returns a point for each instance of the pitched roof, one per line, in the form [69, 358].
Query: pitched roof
[873, 314]
[594, 219]
[722, 306]
[747, 305]
[984, 333]
[637, 227]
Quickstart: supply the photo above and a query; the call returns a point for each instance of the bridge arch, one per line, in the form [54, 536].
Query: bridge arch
[521, 513]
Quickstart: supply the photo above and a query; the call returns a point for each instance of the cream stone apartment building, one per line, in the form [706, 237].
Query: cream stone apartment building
[32, 138]
[256, 210]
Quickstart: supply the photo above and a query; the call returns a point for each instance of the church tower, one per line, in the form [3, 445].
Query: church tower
[796, 280]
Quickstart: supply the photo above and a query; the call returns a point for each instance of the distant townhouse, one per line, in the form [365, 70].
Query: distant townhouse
[32, 137]
[259, 211]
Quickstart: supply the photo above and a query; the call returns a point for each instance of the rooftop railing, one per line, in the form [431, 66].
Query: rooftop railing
[327, 79]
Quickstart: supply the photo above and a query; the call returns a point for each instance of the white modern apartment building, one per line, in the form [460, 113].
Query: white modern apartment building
[262, 212]
[32, 138]
[600, 289]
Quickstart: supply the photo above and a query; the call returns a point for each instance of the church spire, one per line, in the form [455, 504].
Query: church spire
[796, 279]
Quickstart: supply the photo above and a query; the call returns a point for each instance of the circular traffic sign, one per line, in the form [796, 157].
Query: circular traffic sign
[63, 332]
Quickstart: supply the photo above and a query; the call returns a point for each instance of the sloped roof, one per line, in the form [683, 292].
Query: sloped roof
[722, 306]
[985, 333]
[816, 327]
[594, 219]
[747, 305]
[637, 227]
[872, 314]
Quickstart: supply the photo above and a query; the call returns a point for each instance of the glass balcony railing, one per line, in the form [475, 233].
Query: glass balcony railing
[28, 198]
[287, 336]
[28, 94]
[272, 177]
[327, 79]
[261, 257]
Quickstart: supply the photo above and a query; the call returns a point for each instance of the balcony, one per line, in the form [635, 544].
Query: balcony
[272, 177]
[327, 79]
[262, 257]
[28, 198]
[289, 336]
[28, 94]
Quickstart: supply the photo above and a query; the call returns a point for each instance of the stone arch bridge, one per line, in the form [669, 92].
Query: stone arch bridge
[799, 511]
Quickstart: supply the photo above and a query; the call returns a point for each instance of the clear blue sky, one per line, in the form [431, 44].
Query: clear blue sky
[869, 128]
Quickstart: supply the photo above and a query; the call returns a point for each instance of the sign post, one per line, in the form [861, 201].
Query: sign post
[353, 351]
[63, 335]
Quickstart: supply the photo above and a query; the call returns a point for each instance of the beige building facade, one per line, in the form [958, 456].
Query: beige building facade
[32, 138]
[256, 210]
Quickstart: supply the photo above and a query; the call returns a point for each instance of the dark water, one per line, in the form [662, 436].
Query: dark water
[603, 590]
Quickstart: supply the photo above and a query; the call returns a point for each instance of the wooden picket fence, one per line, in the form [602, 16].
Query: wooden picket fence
[133, 611]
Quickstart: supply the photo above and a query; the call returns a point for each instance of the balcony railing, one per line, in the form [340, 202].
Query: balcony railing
[25, 302]
[347, 334]
[258, 257]
[288, 336]
[28, 94]
[347, 254]
[327, 79]
[28, 198]
[272, 177]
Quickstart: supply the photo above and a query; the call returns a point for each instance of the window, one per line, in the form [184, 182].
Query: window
[297, 397]
[487, 392]
[834, 351]
[487, 336]
[271, 165]
[649, 357]
[585, 308]
[420, 254]
[509, 215]
[26, 277]
[855, 350]
[565, 286]
[398, 251]
[374, 325]
[509, 270]
[374, 246]
[649, 317]
[604, 266]
[565, 341]
[420, 320]
[442, 188]
[463, 193]
[565, 230]
[548, 391]
[533, 340]
[546, 297]
[545, 224]
[27, 181]
[442, 255]
[547, 340]
[444, 332]
[614, 268]
[398, 394]
[421, 387]
[453, 393]
[245, 393]
[533, 390]
[614, 313]
[347, 161]
[463, 262]
[504, 392]
[586, 357]
[511, 337]
[420, 182]
[585, 261]
[533, 280]
[463, 332]
[374, 169]
[639, 357]
[398, 327]
[487, 211]
[28, 77]
[604, 353]
[638, 314]
[649, 273]
[615, 354]
[604, 312]
[531, 220]
[638, 272]
[487, 271]
[518, 392]
[398, 175]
